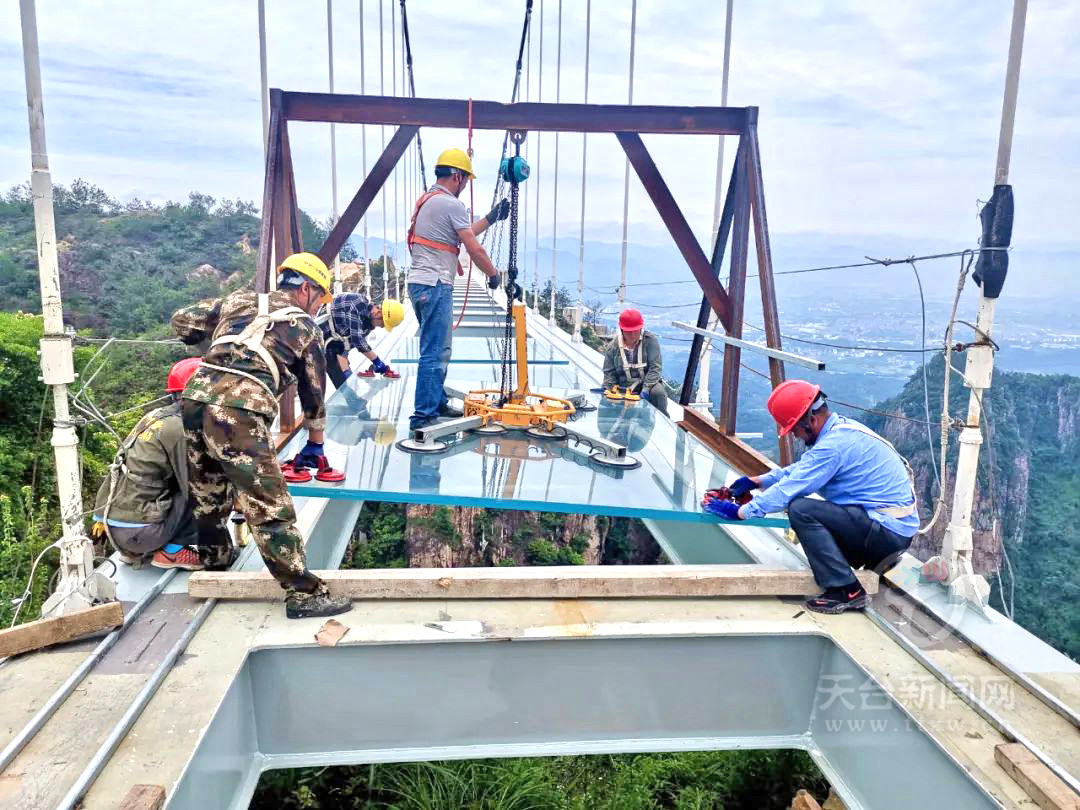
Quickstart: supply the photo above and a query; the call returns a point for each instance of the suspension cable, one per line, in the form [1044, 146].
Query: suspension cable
[412, 91]
[528, 92]
[333, 139]
[555, 178]
[363, 156]
[472, 214]
[397, 174]
[626, 170]
[536, 174]
[584, 164]
[382, 132]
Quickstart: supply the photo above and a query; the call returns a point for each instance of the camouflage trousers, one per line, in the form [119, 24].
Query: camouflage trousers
[233, 447]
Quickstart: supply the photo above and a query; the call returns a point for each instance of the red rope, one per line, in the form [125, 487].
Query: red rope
[468, 279]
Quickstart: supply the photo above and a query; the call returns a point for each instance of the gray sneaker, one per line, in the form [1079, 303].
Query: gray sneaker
[300, 605]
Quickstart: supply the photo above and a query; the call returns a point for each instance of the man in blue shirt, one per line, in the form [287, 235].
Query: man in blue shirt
[868, 516]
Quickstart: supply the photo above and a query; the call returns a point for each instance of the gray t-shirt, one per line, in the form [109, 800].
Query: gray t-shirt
[440, 218]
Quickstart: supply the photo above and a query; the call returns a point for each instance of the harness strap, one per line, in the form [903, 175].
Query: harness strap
[639, 360]
[413, 239]
[334, 334]
[251, 338]
[891, 511]
[243, 374]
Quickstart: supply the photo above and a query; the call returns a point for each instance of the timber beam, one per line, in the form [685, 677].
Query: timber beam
[545, 582]
[68, 627]
[733, 450]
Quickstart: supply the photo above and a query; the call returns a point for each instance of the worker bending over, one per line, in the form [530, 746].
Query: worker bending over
[440, 226]
[143, 506]
[632, 361]
[352, 317]
[259, 346]
[868, 516]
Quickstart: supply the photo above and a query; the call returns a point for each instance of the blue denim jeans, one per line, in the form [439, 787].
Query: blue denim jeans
[433, 306]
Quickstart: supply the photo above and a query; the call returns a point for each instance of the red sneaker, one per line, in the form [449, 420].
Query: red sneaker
[367, 372]
[185, 558]
[390, 374]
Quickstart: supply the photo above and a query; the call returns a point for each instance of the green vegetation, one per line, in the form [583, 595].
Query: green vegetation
[732, 780]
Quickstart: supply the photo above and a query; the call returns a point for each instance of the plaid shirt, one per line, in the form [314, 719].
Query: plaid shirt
[351, 313]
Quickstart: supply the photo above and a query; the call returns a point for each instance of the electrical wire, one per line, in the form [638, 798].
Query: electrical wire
[925, 377]
[30, 582]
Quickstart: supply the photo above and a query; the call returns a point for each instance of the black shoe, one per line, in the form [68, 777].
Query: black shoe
[423, 423]
[838, 600]
[300, 605]
[450, 411]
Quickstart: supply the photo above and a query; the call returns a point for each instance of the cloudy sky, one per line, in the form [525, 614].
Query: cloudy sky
[877, 119]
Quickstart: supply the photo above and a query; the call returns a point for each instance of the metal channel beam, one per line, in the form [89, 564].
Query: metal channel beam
[615, 696]
[529, 116]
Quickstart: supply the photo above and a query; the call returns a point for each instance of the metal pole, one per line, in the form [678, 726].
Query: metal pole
[552, 317]
[703, 400]
[382, 132]
[536, 167]
[397, 201]
[957, 544]
[263, 82]
[333, 138]
[584, 163]
[363, 155]
[57, 359]
[626, 172]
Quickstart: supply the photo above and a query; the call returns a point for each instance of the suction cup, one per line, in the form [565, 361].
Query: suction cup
[491, 429]
[540, 433]
[413, 446]
[293, 475]
[624, 463]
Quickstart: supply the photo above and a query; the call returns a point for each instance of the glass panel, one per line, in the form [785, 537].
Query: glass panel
[513, 470]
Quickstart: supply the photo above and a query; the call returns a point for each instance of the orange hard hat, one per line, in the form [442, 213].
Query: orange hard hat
[180, 373]
[790, 401]
[630, 320]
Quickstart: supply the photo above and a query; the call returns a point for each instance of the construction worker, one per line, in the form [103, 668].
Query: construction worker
[868, 516]
[259, 346]
[632, 361]
[352, 317]
[440, 226]
[143, 506]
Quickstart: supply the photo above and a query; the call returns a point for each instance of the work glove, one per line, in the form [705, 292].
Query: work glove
[309, 456]
[97, 531]
[493, 282]
[379, 367]
[742, 486]
[729, 510]
[345, 375]
[500, 211]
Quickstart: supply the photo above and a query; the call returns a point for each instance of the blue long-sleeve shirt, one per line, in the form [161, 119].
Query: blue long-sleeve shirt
[848, 467]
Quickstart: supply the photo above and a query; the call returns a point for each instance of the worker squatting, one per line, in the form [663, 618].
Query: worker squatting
[186, 466]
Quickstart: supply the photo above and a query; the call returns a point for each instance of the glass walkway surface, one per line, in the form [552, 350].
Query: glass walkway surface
[512, 470]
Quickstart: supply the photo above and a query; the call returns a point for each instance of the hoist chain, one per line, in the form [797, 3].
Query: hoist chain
[512, 291]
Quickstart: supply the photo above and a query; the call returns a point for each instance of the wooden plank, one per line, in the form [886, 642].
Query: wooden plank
[144, 797]
[44, 632]
[541, 582]
[1038, 781]
[734, 451]
[804, 801]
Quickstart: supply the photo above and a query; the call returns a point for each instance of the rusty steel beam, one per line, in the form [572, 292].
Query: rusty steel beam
[722, 233]
[676, 223]
[368, 189]
[734, 451]
[529, 116]
[740, 238]
[266, 221]
[293, 207]
[777, 372]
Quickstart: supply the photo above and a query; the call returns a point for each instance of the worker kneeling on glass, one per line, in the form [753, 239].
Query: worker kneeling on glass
[632, 361]
[868, 516]
[352, 317]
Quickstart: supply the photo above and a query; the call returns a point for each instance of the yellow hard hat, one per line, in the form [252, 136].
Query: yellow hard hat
[310, 267]
[456, 159]
[385, 433]
[393, 313]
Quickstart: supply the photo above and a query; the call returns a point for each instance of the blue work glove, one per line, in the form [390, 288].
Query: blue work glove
[729, 510]
[309, 456]
[345, 375]
[493, 282]
[742, 486]
[500, 211]
[379, 367]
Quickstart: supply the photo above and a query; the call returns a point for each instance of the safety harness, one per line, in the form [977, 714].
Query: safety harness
[891, 511]
[117, 469]
[638, 364]
[251, 338]
[412, 238]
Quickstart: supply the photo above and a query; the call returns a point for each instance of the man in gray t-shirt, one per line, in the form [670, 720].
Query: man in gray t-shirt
[440, 226]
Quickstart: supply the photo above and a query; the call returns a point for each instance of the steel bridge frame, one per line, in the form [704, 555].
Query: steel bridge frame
[744, 204]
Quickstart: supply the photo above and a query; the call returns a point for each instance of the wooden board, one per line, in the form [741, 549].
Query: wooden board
[741, 456]
[144, 797]
[43, 632]
[547, 582]
[1038, 781]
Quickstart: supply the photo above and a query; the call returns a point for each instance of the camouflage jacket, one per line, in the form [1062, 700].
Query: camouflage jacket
[155, 456]
[296, 346]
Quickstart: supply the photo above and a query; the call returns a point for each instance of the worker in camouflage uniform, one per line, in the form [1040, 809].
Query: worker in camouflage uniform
[259, 345]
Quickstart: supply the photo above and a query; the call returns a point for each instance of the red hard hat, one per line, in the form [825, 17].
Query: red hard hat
[180, 373]
[630, 320]
[789, 401]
